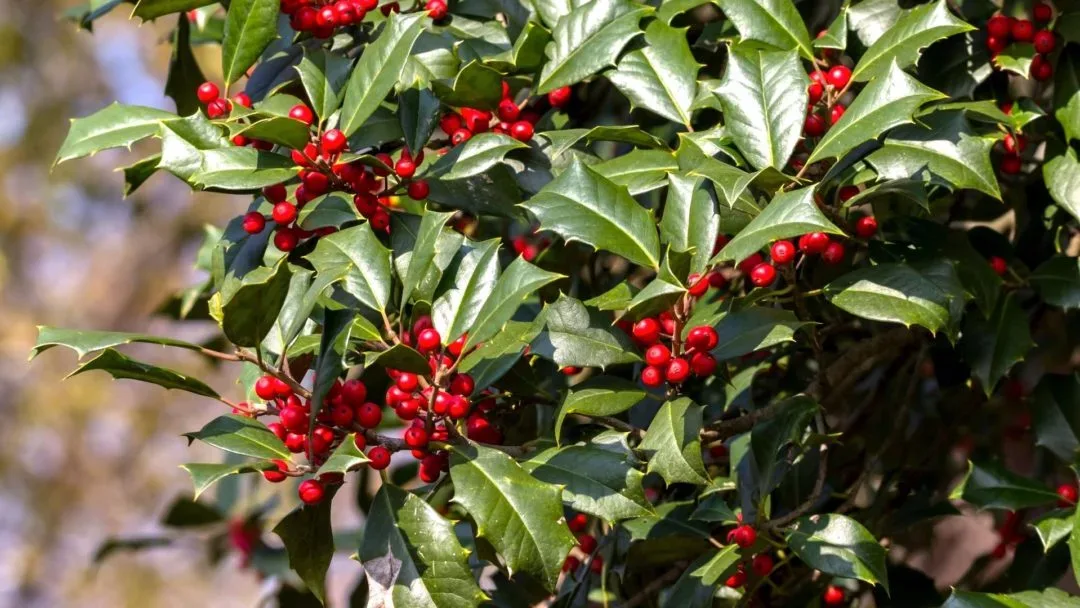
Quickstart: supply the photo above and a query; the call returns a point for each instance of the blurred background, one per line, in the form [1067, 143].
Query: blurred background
[87, 459]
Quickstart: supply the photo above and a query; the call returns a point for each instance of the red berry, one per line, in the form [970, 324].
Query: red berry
[1014, 144]
[998, 265]
[782, 252]
[834, 253]
[657, 355]
[815, 91]
[254, 222]
[1041, 69]
[294, 419]
[480, 429]
[577, 523]
[763, 275]
[296, 442]
[1068, 494]
[833, 596]
[646, 331]
[698, 285]
[846, 193]
[311, 491]
[1000, 26]
[321, 438]
[462, 384]
[836, 113]
[749, 263]
[597, 564]
[286, 240]
[652, 376]
[996, 44]
[818, 76]
[242, 99]
[303, 114]
[866, 227]
[428, 340]
[353, 393]
[570, 370]
[762, 564]
[456, 346]
[744, 536]
[276, 475]
[334, 142]
[386, 9]
[839, 76]
[717, 279]
[571, 564]
[1042, 12]
[407, 381]
[521, 130]
[284, 213]
[326, 18]
[217, 108]
[418, 190]
[277, 429]
[437, 9]
[207, 92]
[475, 120]
[379, 457]
[460, 136]
[508, 110]
[587, 543]
[405, 168]
[678, 370]
[702, 337]
[814, 125]
[369, 415]
[459, 408]
[814, 243]
[559, 97]
[415, 437]
[1011, 165]
[736, 580]
[430, 465]
[264, 388]
[1044, 42]
[341, 415]
[1023, 30]
[703, 364]
[275, 193]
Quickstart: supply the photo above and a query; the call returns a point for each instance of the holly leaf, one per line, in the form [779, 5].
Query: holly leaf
[753, 329]
[1062, 176]
[840, 546]
[1048, 598]
[1053, 527]
[581, 205]
[345, 458]
[764, 98]
[241, 169]
[599, 396]
[242, 435]
[84, 342]
[894, 293]
[477, 85]
[418, 257]
[333, 344]
[835, 36]
[767, 464]
[662, 76]
[323, 75]
[588, 39]
[120, 366]
[250, 26]
[494, 358]
[672, 445]
[690, 221]
[151, 9]
[521, 516]
[475, 156]
[1055, 413]
[790, 214]
[595, 481]
[1058, 281]
[249, 305]
[1067, 92]
[639, 170]
[474, 273]
[713, 509]
[280, 130]
[565, 139]
[399, 357]
[367, 277]
[887, 101]
[991, 486]
[776, 23]
[519, 281]
[115, 126]
[903, 42]
[309, 543]
[992, 346]
[205, 475]
[574, 336]
[379, 68]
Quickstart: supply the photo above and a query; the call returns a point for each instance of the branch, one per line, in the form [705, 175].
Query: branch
[656, 585]
[243, 355]
[815, 495]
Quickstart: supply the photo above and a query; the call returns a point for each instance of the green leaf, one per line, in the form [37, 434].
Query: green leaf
[1067, 92]
[135, 175]
[835, 36]
[639, 170]
[184, 75]
[1055, 414]
[519, 515]
[379, 68]
[309, 542]
[550, 12]
[400, 357]
[991, 347]
[357, 249]
[753, 329]
[250, 304]
[870, 19]
[672, 445]
[894, 293]
[839, 545]
[1048, 598]
[588, 39]
[475, 156]
[323, 75]
[594, 481]
[774, 22]
[421, 256]
[519, 282]
[494, 358]
[581, 205]
[345, 458]
[151, 9]
[328, 210]
[915, 29]
[1017, 58]
[719, 565]
[418, 110]
[412, 556]
[84, 342]
[476, 85]
[887, 101]
[424, 251]
[1062, 177]
[241, 169]
[991, 486]
[575, 336]
[204, 475]
[250, 26]
[474, 273]
[696, 587]
[242, 435]
[120, 366]
[184, 142]
[1058, 281]
[690, 221]
[188, 513]
[528, 52]
[713, 509]
[1053, 527]
[280, 130]
[662, 77]
[659, 295]
[115, 126]
[764, 98]
[599, 396]
[333, 342]
[767, 463]
[565, 139]
[790, 214]
[946, 147]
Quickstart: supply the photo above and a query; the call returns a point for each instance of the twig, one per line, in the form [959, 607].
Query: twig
[275, 372]
[819, 485]
[656, 585]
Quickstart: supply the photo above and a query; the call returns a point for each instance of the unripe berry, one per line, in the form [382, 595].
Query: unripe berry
[302, 113]
[814, 243]
[866, 227]
[998, 265]
[369, 415]
[657, 355]
[207, 92]
[311, 491]
[415, 437]
[1000, 26]
[1023, 30]
[762, 564]
[703, 364]
[652, 376]
[814, 125]
[379, 457]
[646, 331]
[521, 130]
[678, 370]
[782, 252]
[702, 337]
[559, 97]
[508, 110]
[763, 275]
[833, 596]
[418, 190]
[428, 340]
[254, 222]
[839, 76]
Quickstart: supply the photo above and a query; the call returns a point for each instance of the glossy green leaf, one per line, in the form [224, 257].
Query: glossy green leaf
[242, 435]
[1054, 527]
[476, 85]
[915, 29]
[991, 486]
[1055, 413]
[323, 75]
[475, 156]
[184, 76]
[550, 12]
[333, 342]
[599, 396]
[790, 214]
[1016, 58]
[412, 556]
[378, 69]
[250, 26]
[690, 221]
[753, 329]
[671, 443]
[115, 126]
[241, 169]
[870, 19]
[594, 481]
[1067, 92]
[135, 175]
[151, 9]
[835, 36]
[662, 77]
[565, 139]
[839, 545]
[992, 346]
[518, 282]
[205, 475]
[1048, 598]
[658, 295]
[639, 170]
[345, 458]
[1062, 176]
[368, 275]
[574, 336]
[773, 22]
[84, 342]
[280, 130]
[519, 515]
[894, 293]
[400, 357]
[764, 98]
[889, 100]
[475, 272]
[421, 253]
[697, 585]
[250, 304]
[767, 439]
[1058, 281]
[418, 111]
[495, 358]
[713, 509]
[120, 366]
[309, 543]
[588, 39]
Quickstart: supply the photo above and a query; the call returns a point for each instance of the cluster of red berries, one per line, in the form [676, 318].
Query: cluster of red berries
[217, 106]
[322, 17]
[675, 361]
[513, 119]
[586, 545]
[530, 245]
[836, 79]
[1002, 29]
[1011, 530]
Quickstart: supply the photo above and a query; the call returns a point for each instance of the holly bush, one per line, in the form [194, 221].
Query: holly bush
[630, 303]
